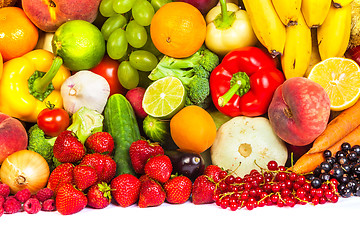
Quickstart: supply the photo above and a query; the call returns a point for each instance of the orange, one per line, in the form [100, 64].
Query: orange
[193, 128]
[1, 65]
[178, 29]
[18, 35]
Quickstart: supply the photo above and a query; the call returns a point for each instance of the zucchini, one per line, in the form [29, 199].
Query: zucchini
[120, 121]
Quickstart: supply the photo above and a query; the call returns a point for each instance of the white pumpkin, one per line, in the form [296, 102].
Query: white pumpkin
[246, 140]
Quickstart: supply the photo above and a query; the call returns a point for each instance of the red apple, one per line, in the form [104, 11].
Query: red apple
[299, 111]
[203, 5]
[13, 136]
[48, 15]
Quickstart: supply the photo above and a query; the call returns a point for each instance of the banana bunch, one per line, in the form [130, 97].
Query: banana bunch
[290, 28]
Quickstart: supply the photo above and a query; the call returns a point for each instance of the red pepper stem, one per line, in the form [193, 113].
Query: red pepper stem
[40, 84]
[239, 84]
[224, 99]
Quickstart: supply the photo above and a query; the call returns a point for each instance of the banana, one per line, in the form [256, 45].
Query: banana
[267, 25]
[334, 34]
[297, 51]
[288, 10]
[315, 11]
[341, 3]
[315, 55]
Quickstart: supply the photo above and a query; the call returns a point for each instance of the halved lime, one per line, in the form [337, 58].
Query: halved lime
[164, 97]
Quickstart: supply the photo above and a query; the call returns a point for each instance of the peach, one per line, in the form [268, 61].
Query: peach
[13, 136]
[299, 111]
[48, 15]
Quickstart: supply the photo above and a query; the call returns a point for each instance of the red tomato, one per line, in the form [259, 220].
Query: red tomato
[108, 68]
[53, 121]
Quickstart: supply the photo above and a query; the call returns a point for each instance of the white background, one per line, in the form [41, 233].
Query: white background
[329, 221]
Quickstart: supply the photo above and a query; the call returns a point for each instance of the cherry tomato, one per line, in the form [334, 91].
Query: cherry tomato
[108, 69]
[53, 121]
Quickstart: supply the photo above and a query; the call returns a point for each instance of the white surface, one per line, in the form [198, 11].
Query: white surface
[188, 221]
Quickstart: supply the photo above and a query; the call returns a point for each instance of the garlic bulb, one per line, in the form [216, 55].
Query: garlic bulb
[85, 89]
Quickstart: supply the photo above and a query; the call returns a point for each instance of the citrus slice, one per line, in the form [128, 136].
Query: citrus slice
[164, 97]
[340, 77]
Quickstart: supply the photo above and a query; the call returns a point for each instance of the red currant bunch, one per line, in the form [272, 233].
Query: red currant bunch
[276, 185]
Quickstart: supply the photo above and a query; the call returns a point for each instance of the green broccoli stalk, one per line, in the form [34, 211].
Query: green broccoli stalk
[41, 144]
[193, 72]
[86, 122]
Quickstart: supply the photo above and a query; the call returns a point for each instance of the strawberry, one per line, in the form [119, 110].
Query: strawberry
[159, 168]
[104, 165]
[100, 142]
[151, 194]
[125, 189]
[144, 178]
[178, 189]
[64, 173]
[84, 176]
[99, 195]
[212, 171]
[140, 151]
[203, 190]
[70, 200]
[67, 148]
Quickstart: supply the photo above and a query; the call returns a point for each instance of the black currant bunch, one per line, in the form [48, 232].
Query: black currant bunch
[344, 166]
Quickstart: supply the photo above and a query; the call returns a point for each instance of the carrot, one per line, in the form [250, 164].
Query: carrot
[338, 128]
[309, 161]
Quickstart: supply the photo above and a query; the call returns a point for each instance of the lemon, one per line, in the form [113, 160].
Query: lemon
[164, 97]
[340, 77]
[80, 44]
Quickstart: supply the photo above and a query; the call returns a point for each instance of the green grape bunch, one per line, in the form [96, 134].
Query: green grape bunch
[126, 31]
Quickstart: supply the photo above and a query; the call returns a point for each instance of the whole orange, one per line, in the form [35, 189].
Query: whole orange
[178, 29]
[193, 128]
[18, 35]
[1, 65]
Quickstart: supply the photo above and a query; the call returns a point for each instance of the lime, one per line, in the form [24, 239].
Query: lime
[164, 97]
[80, 44]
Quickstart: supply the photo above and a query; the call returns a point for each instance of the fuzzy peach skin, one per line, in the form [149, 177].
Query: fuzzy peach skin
[299, 111]
[13, 136]
[48, 15]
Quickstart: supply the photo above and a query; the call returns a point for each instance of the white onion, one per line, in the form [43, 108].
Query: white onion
[85, 89]
[25, 169]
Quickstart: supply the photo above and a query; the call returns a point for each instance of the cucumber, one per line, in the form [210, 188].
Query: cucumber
[156, 129]
[120, 122]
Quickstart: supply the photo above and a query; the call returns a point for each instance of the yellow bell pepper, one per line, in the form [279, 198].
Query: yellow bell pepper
[15, 97]
[228, 27]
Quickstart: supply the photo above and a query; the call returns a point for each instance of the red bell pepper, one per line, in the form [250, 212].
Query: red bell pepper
[244, 82]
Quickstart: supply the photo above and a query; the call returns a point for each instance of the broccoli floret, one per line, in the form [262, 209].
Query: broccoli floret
[193, 71]
[209, 60]
[198, 90]
[39, 143]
